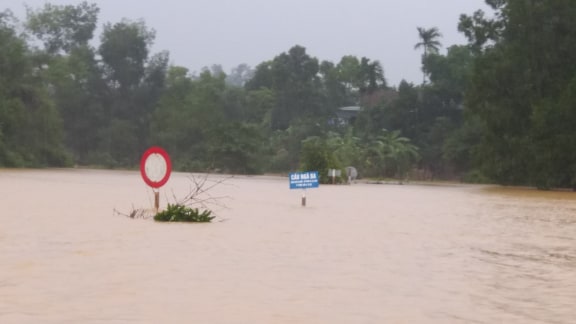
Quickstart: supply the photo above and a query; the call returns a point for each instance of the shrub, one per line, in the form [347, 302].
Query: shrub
[475, 176]
[316, 156]
[182, 213]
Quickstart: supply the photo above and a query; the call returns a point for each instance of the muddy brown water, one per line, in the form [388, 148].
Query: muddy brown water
[356, 254]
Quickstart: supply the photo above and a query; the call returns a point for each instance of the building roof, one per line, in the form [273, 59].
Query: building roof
[351, 108]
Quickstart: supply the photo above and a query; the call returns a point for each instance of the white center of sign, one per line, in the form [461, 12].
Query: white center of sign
[155, 167]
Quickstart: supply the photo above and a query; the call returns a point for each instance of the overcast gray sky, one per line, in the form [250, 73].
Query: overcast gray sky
[200, 33]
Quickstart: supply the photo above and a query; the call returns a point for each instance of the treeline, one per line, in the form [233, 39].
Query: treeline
[498, 109]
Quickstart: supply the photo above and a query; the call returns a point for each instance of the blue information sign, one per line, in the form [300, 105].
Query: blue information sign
[304, 180]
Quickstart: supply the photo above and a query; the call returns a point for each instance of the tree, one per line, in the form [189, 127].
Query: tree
[451, 73]
[235, 147]
[240, 75]
[318, 156]
[63, 27]
[68, 67]
[135, 83]
[390, 155]
[30, 127]
[193, 120]
[522, 78]
[347, 148]
[174, 126]
[124, 49]
[371, 76]
[79, 92]
[349, 75]
[429, 42]
[334, 90]
[428, 114]
[443, 112]
[258, 107]
[293, 76]
[459, 149]
[401, 113]
[482, 32]
[360, 77]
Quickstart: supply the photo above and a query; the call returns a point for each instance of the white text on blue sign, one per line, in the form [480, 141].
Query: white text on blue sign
[304, 180]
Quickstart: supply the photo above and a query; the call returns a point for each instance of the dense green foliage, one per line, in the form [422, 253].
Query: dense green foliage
[522, 91]
[30, 126]
[319, 156]
[498, 109]
[181, 213]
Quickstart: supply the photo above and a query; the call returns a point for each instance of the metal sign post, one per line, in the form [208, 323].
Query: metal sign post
[334, 173]
[156, 201]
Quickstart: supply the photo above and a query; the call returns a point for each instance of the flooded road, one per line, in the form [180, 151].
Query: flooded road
[356, 254]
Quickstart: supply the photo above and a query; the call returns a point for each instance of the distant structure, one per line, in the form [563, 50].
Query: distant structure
[352, 174]
[379, 97]
[347, 115]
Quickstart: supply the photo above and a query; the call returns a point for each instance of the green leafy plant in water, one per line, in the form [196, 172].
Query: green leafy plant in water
[182, 213]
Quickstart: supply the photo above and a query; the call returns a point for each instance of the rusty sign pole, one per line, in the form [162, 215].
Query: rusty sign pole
[157, 200]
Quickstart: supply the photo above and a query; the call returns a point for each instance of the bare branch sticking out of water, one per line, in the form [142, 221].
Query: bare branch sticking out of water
[199, 196]
[136, 213]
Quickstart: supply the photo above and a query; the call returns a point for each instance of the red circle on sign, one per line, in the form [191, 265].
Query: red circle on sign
[155, 182]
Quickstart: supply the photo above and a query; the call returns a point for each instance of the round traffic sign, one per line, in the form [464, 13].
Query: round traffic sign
[155, 167]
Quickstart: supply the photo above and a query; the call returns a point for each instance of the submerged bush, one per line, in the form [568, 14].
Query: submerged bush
[182, 213]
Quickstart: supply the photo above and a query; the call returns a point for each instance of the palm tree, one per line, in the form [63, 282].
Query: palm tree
[393, 153]
[371, 76]
[346, 147]
[429, 41]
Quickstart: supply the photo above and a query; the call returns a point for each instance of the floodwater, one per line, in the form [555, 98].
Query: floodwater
[363, 253]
